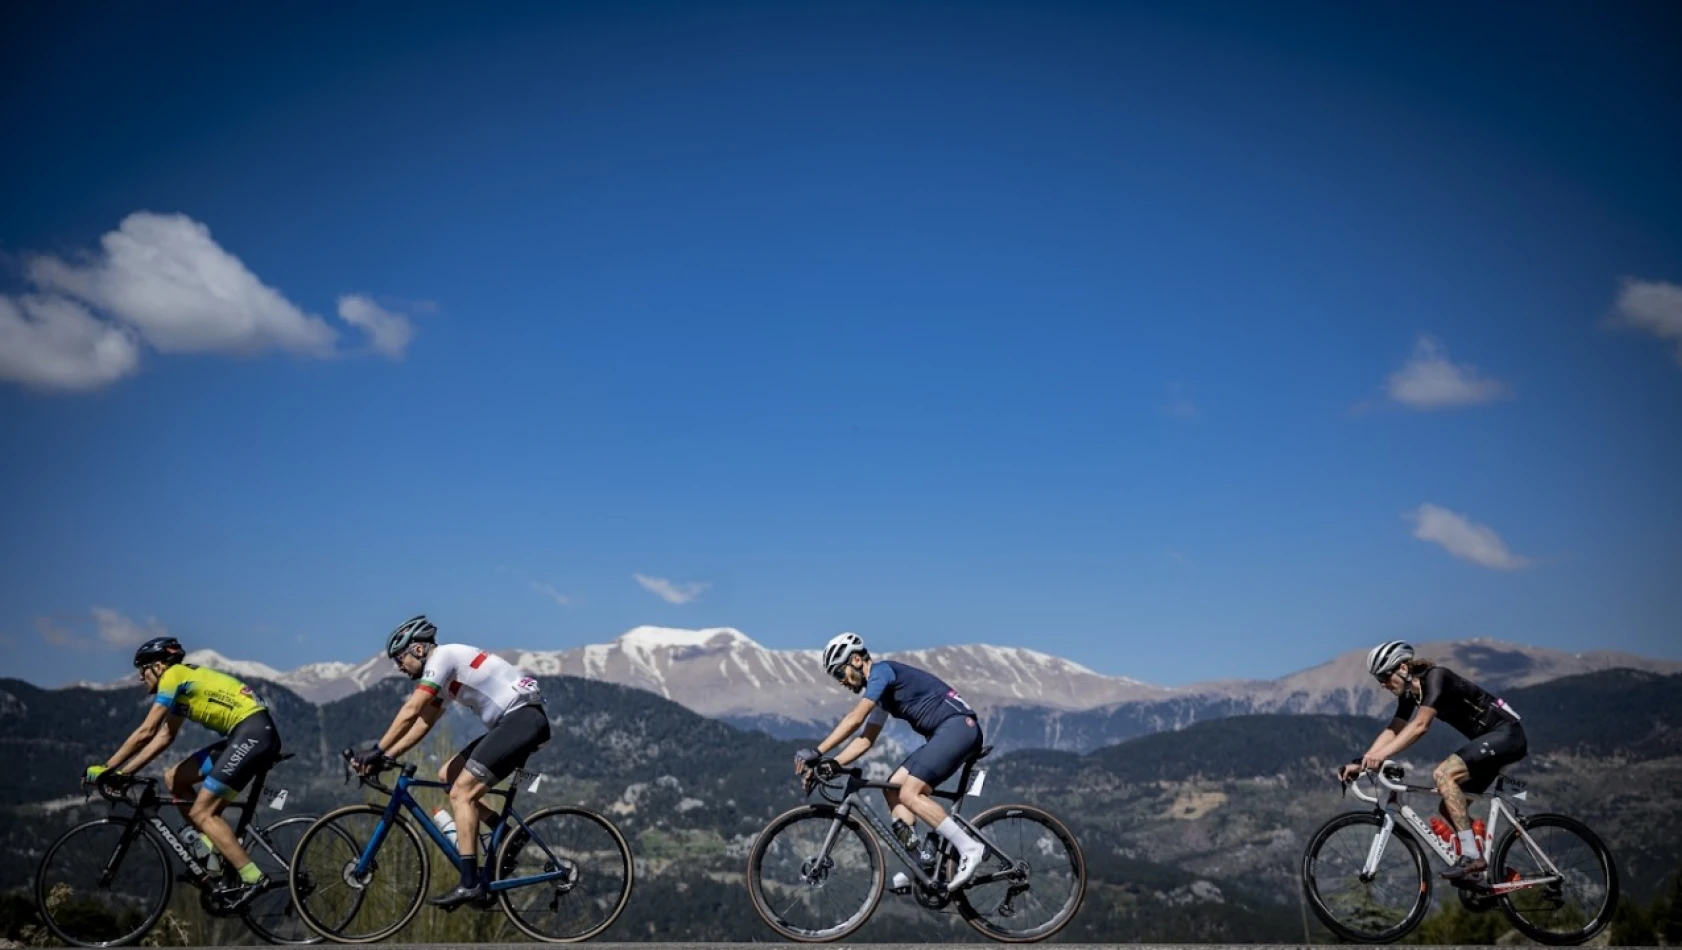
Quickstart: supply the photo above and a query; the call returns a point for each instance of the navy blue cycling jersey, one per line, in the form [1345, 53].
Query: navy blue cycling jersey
[917, 697]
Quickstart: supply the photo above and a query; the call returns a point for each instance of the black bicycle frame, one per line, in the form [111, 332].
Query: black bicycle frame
[851, 803]
[147, 808]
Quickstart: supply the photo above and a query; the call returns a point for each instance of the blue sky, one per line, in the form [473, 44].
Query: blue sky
[1185, 342]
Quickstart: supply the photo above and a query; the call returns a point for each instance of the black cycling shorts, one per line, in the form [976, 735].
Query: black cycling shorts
[250, 747]
[1491, 752]
[940, 758]
[495, 755]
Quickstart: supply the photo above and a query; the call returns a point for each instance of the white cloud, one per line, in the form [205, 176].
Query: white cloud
[1653, 306]
[549, 591]
[162, 280]
[48, 342]
[1429, 381]
[163, 275]
[1463, 538]
[112, 631]
[389, 332]
[669, 592]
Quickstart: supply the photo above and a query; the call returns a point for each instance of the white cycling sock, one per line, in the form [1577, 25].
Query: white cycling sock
[960, 838]
[1469, 843]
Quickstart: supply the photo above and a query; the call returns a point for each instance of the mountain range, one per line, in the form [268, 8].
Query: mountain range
[1027, 699]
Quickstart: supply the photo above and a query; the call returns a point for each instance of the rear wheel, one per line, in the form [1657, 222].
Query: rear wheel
[272, 915]
[1031, 890]
[1581, 899]
[596, 870]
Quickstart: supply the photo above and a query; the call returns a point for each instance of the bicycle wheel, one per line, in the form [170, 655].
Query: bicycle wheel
[597, 885]
[346, 907]
[272, 915]
[1040, 876]
[805, 892]
[1378, 909]
[103, 884]
[1571, 910]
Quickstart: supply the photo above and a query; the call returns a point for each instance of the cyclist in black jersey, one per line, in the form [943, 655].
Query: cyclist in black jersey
[1426, 692]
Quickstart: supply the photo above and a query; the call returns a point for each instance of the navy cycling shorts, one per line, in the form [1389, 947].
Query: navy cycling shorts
[940, 758]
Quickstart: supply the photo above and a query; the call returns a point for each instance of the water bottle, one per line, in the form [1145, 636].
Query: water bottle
[446, 823]
[1446, 833]
[202, 852]
[930, 852]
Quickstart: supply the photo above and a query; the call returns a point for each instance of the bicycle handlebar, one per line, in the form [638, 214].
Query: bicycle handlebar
[1388, 776]
[117, 790]
[371, 778]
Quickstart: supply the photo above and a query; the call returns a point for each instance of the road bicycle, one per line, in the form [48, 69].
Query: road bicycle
[107, 882]
[816, 872]
[360, 872]
[1367, 878]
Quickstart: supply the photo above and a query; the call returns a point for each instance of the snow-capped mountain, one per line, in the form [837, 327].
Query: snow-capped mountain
[721, 672]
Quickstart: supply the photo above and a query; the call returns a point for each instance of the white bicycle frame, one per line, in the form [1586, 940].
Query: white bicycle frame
[1393, 805]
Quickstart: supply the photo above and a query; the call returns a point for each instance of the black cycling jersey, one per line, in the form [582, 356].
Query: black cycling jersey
[1458, 702]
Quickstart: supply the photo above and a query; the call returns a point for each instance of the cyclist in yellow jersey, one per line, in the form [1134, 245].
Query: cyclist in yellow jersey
[250, 743]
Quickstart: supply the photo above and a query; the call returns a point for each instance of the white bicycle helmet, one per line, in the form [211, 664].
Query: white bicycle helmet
[839, 650]
[1387, 656]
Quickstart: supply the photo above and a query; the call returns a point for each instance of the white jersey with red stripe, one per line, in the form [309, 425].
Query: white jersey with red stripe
[483, 682]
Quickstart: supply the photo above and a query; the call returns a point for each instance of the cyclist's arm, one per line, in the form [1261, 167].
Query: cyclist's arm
[397, 740]
[163, 739]
[861, 743]
[143, 734]
[1390, 732]
[423, 724]
[850, 724]
[1404, 737]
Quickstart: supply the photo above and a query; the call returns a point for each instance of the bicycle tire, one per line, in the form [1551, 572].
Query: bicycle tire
[756, 863]
[267, 846]
[1325, 914]
[982, 922]
[518, 846]
[303, 886]
[1499, 869]
[49, 900]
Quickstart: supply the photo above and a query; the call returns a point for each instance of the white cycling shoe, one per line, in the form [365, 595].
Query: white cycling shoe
[901, 883]
[969, 862]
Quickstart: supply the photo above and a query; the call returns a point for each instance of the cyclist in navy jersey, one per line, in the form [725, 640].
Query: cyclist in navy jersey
[934, 711]
[1426, 692]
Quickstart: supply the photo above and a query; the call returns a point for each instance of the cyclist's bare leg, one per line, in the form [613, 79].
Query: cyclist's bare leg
[488, 817]
[914, 798]
[180, 779]
[206, 816]
[465, 794]
[1448, 777]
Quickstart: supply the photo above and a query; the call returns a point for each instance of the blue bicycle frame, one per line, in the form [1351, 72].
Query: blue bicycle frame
[401, 799]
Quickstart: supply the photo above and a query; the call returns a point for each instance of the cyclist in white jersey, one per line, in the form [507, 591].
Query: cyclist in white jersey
[505, 699]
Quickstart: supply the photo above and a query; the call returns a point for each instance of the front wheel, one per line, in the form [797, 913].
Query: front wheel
[1580, 892]
[343, 905]
[103, 884]
[1033, 881]
[815, 876]
[582, 868]
[1378, 908]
